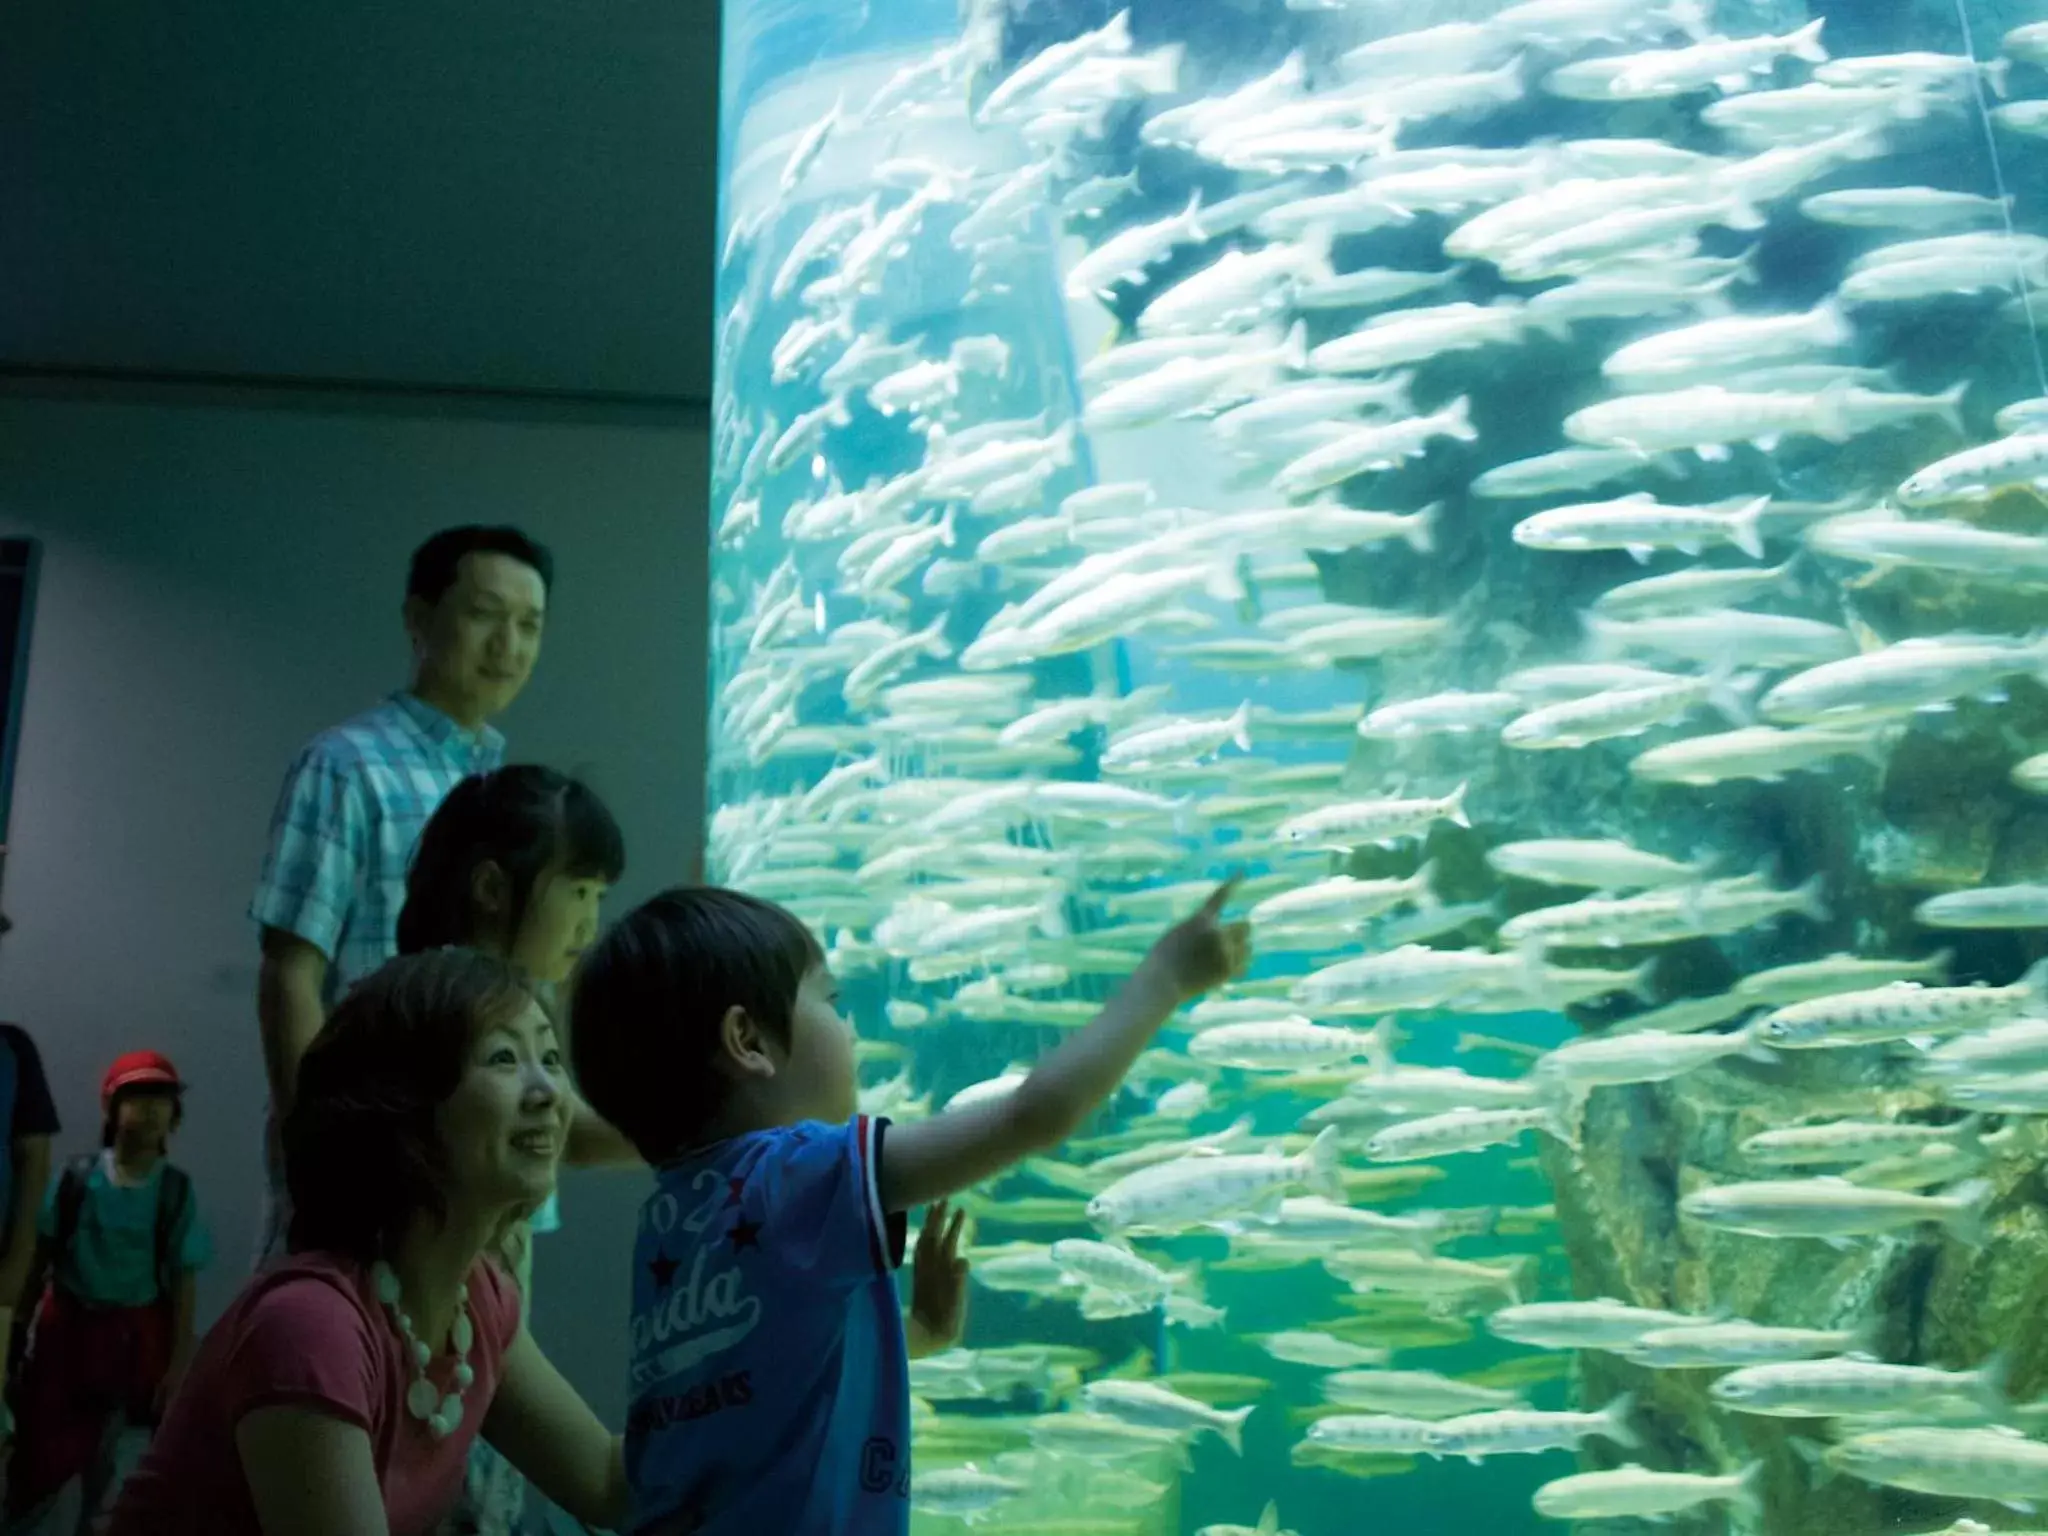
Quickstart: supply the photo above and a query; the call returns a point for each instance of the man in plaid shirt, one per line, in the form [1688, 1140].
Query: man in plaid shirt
[358, 795]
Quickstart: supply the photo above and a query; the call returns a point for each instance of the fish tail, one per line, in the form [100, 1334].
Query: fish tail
[1419, 530]
[1690, 17]
[1324, 1172]
[1813, 899]
[1990, 1379]
[1241, 726]
[1564, 1116]
[1964, 1211]
[1815, 1455]
[1379, 1049]
[1232, 1427]
[1639, 983]
[1746, 1497]
[1949, 403]
[1458, 419]
[1424, 883]
[1454, 806]
[1617, 1427]
[1746, 528]
[1294, 350]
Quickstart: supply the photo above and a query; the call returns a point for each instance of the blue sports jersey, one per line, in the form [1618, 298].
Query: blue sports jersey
[770, 1386]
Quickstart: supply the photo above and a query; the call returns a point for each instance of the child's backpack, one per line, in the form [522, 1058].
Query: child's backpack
[174, 1194]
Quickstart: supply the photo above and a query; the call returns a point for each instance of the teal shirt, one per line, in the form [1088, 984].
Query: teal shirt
[112, 1260]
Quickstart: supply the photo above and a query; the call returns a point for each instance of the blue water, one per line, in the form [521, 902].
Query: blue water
[787, 64]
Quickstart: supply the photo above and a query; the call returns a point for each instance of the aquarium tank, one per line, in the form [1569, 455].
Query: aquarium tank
[1549, 496]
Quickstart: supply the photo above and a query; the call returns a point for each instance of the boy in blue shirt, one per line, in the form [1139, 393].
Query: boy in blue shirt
[121, 1247]
[769, 1376]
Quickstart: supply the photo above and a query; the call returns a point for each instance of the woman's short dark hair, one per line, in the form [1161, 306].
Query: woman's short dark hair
[523, 819]
[650, 995]
[436, 563]
[362, 1154]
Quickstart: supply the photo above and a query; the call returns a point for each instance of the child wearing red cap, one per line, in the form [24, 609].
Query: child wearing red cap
[121, 1244]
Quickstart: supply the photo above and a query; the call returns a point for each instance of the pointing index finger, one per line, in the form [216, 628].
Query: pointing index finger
[1220, 897]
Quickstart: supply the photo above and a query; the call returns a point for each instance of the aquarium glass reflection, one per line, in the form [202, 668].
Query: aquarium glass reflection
[1551, 494]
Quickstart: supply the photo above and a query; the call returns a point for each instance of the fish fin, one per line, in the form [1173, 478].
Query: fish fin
[1813, 899]
[1241, 726]
[1949, 403]
[1294, 350]
[1814, 1454]
[1806, 43]
[1269, 1520]
[1454, 807]
[1964, 1218]
[1999, 73]
[1641, 553]
[1419, 530]
[1425, 883]
[1691, 18]
[1746, 528]
[1745, 1497]
[1459, 420]
[1617, 1414]
[1565, 1117]
[1639, 983]
[1379, 1052]
[1713, 453]
[1991, 1379]
[1232, 1427]
[1731, 695]
[1325, 1175]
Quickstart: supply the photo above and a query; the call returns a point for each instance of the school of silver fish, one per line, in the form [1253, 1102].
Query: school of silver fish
[924, 580]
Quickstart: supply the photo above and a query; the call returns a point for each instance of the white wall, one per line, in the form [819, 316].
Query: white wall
[220, 579]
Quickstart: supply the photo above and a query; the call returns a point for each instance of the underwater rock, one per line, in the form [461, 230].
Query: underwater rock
[1918, 1297]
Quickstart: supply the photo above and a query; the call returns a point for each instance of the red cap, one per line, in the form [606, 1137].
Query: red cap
[135, 1069]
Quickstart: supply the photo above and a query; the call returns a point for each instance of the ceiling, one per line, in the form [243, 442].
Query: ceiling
[472, 195]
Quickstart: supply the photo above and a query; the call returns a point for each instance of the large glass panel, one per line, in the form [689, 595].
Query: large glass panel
[1551, 493]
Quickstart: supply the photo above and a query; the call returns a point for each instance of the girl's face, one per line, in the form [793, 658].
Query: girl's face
[504, 1126]
[559, 924]
[143, 1121]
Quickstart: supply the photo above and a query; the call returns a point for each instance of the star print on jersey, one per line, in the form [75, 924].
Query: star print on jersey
[770, 1390]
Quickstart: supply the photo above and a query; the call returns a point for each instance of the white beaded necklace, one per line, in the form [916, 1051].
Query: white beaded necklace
[423, 1400]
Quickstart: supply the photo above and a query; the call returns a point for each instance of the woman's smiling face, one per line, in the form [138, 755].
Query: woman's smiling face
[504, 1127]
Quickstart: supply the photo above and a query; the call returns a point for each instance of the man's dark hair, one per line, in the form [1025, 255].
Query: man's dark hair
[436, 563]
[362, 1154]
[523, 819]
[649, 998]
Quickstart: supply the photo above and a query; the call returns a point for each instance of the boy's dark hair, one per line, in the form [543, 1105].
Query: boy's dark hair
[362, 1154]
[436, 563]
[650, 995]
[523, 819]
[141, 1091]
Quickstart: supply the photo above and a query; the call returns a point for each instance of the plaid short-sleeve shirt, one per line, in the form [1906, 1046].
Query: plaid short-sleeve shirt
[341, 840]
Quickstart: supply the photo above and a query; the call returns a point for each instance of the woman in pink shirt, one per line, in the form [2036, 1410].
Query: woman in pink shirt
[340, 1392]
